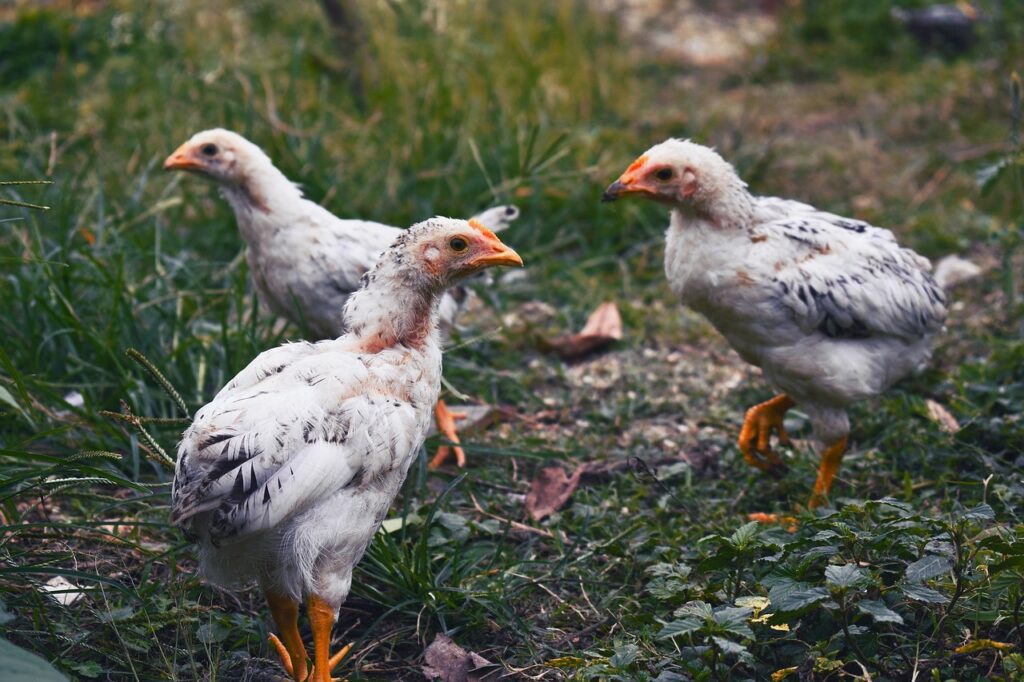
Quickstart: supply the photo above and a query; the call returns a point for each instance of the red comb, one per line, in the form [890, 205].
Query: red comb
[481, 228]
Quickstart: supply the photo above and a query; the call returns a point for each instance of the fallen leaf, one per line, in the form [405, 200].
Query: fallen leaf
[980, 644]
[758, 604]
[448, 662]
[941, 416]
[603, 327]
[549, 490]
[62, 590]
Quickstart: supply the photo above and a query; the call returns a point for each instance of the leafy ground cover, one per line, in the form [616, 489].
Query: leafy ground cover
[650, 572]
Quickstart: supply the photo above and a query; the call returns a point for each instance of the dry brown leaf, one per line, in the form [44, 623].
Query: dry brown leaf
[549, 490]
[448, 662]
[941, 416]
[603, 327]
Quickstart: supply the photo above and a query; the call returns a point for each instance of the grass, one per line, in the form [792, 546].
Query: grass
[650, 572]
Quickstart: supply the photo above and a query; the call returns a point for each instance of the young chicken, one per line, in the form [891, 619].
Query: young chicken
[286, 475]
[832, 309]
[304, 260]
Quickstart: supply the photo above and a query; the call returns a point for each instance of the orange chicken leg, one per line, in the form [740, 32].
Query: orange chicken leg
[292, 652]
[831, 458]
[830, 461]
[446, 425]
[755, 436]
[321, 620]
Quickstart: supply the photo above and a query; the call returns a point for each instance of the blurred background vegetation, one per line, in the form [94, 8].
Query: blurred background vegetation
[448, 106]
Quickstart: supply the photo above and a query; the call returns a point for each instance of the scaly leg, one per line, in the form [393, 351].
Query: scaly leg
[755, 436]
[446, 425]
[292, 652]
[321, 620]
[830, 461]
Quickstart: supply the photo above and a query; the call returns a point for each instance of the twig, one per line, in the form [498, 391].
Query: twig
[867, 675]
[639, 465]
[52, 160]
[514, 524]
[929, 188]
[558, 644]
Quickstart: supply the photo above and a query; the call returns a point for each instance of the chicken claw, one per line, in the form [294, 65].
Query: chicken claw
[755, 436]
[446, 425]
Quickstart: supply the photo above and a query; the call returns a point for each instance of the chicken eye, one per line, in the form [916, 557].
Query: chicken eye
[209, 149]
[458, 244]
[664, 174]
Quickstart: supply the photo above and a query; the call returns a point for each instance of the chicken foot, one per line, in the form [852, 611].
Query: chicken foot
[755, 436]
[445, 419]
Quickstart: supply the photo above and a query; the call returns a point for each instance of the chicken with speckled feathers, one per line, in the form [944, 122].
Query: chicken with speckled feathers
[285, 476]
[832, 309]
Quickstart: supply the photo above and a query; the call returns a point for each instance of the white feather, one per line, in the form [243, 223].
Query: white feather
[305, 261]
[287, 473]
[831, 308]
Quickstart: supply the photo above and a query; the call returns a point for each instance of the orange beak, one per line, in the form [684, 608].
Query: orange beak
[496, 252]
[183, 158]
[627, 185]
[499, 255]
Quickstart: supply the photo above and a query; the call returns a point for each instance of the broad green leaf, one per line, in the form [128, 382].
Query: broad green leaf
[926, 568]
[844, 577]
[919, 592]
[89, 669]
[879, 611]
[733, 619]
[20, 664]
[1011, 563]
[727, 646]
[624, 655]
[815, 553]
[669, 676]
[746, 535]
[982, 512]
[666, 588]
[212, 633]
[682, 626]
[796, 596]
[675, 570]
[697, 609]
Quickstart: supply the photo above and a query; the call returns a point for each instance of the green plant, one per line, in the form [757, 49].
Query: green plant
[1002, 185]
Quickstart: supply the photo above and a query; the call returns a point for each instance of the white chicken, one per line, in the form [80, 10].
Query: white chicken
[287, 473]
[832, 309]
[304, 260]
